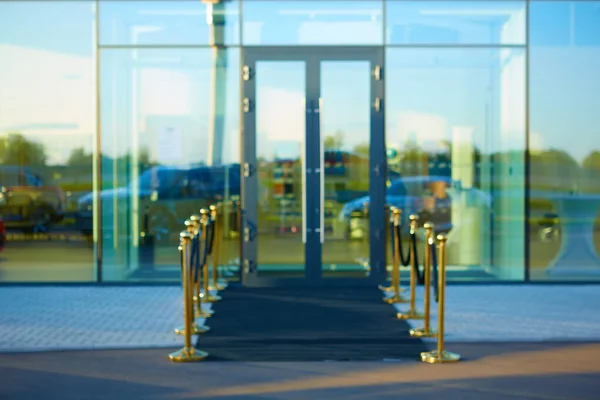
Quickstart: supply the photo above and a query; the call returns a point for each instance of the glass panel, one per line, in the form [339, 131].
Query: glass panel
[47, 127]
[313, 22]
[160, 109]
[346, 130]
[455, 138]
[456, 22]
[169, 23]
[280, 152]
[565, 149]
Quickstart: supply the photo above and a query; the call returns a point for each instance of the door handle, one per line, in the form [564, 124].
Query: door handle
[321, 173]
[305, 171]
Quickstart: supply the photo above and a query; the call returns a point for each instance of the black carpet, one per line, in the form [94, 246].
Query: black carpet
[306, 324]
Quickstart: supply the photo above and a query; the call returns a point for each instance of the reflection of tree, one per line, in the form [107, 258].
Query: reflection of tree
[80, 158]
[362, 149]
[592, 160]
[334, 142]
[15, 149]
[143, 157]
[554, 170]
[591, 173]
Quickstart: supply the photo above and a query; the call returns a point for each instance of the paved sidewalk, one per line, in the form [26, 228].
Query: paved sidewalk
[517, 313]
[81, 318]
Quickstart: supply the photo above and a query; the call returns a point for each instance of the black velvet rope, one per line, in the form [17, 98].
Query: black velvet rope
[211, 235]
[195, 256]
[418, 271]
[404, 261]
[207, 247]
[434, 272]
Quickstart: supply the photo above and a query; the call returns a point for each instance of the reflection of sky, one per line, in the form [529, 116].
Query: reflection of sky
[428, 88]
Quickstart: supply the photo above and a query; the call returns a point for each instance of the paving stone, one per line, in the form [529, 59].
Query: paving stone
[79, 318]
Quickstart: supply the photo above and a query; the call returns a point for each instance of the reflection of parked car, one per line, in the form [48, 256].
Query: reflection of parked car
[26, 203]
[167, 197]
[411, 195]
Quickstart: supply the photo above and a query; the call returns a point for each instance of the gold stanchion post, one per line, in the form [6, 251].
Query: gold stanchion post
[412, 313]
[216, 248]
[199, 311]
[188, 353]
[188, 276]
[208, 296]
[221, 211]
[440, 355]
[395, 284]
[388, 221]
[426, 330]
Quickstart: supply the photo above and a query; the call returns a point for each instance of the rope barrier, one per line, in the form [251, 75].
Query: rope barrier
[207, 226]
[404, 261]
[195, 257]
[440, 354]
[435, 274]
[418, 271]
[188, 353]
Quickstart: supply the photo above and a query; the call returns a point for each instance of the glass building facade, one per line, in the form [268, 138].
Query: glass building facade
[304, 119]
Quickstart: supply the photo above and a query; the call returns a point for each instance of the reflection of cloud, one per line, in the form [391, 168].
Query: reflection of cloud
[512, 100]
[49, 97]
[165, 92]
[417, 127]
[536, 141]
[340, 32]
[39, 126]
[280, 114]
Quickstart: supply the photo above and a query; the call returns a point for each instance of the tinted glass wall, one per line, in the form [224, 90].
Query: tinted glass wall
[470, 86]
[564, 87]
[169, 138]
[456, 128]
[47, 131]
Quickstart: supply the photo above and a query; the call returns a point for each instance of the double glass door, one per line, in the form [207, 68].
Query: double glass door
[313, 166]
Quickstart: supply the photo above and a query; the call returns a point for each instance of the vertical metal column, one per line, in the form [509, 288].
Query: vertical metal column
[215, 18]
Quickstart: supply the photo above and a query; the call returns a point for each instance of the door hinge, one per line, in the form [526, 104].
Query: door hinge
[378, 73]
[377, 169]
[248, 266]
[248, 106]
[247, 170]
[247, 73]
[377, 104]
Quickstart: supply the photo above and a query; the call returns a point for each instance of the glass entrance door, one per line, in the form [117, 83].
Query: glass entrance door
[313, 166]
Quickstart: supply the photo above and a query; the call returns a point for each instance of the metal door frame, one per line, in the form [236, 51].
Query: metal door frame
[312, 56]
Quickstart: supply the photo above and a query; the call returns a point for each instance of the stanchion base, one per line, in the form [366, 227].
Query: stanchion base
[410, 314]
[188, 355]
[395, 300]
[203, 313]
[218, 286]
[388, 289]
[433, 357]
[421, 332]
[196, 329]
[211, 298]
[223, 281]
